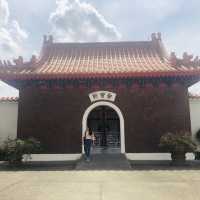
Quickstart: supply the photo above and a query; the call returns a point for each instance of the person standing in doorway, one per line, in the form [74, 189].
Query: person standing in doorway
[88, 141]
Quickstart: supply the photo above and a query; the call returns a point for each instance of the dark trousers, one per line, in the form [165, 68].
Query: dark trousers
[87, 147]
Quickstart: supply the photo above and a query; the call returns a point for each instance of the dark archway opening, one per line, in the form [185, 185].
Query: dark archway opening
[105, 123]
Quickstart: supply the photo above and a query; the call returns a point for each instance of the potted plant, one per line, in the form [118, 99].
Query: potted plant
[197, 141]
[14, 149]
[2, 154]
[178, 144]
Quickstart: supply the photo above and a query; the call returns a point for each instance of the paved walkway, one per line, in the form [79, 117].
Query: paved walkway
[105, 162]
[100, 185]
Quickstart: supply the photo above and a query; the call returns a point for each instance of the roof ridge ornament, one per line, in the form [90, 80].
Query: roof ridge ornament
[156, 39]
[19, 61]
[159, 36]
[33, 59]
[48, 39]
[186, 60]
[156, 36]
[173, 59]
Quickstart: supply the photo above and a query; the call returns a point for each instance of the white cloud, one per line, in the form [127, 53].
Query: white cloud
[11, 40]
[159, 9]
[12, 35]
[17, 32]
[78, 21]
[4, 12]
[184, 40]
[139, 16]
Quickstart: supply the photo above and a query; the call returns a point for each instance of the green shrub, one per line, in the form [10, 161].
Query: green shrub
[177, 142]
[2, 154]
[197, 136]
[14, 149]
[197, 141]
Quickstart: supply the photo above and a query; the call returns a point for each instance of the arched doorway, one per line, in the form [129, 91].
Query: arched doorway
[107, 121]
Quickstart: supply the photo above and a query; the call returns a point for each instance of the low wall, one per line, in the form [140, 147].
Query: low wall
[9, 113]
[195, 114]
[8, 119]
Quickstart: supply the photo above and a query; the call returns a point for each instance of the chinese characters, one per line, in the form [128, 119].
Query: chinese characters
[102, 95]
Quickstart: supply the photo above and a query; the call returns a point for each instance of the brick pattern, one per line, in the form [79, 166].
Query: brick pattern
[149, 113]
[55, 116]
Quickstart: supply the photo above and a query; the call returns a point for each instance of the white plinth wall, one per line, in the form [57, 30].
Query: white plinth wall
[8, 120]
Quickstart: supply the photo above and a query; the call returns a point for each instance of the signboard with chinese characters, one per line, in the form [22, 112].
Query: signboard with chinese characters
[102, 95]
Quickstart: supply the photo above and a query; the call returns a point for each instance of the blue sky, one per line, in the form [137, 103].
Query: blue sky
[23, 24]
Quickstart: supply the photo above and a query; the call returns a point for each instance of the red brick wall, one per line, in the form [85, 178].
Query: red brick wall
[149, 113]
[55, 116]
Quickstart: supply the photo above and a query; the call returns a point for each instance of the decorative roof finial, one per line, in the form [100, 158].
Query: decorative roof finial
[47, 39]
[173, 59]
[33, 59]
[196, 59]
[187, 58]
[153, 36]
[159, 36]
[44, 38]
[50, 39]
[19, 61]
[156, 36]
[186, 61]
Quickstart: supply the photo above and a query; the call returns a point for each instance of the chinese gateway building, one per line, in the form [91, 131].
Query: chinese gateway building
[129, 93]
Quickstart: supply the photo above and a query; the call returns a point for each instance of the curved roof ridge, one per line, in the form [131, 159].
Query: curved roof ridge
[102, 59]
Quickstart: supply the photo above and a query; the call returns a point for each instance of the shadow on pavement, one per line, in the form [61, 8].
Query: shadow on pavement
[136, 165]
[39, 166]
[164, 165]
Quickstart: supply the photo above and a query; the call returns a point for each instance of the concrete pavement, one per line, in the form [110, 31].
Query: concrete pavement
[104, 162]
[100, 185]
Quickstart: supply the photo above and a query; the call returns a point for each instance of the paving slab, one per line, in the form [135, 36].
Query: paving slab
[100, 185]
[104, 162]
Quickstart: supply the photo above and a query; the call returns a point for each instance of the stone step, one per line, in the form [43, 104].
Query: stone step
[104, 150]
[104, 162]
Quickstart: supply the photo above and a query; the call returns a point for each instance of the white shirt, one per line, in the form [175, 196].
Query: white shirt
[88, 136]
